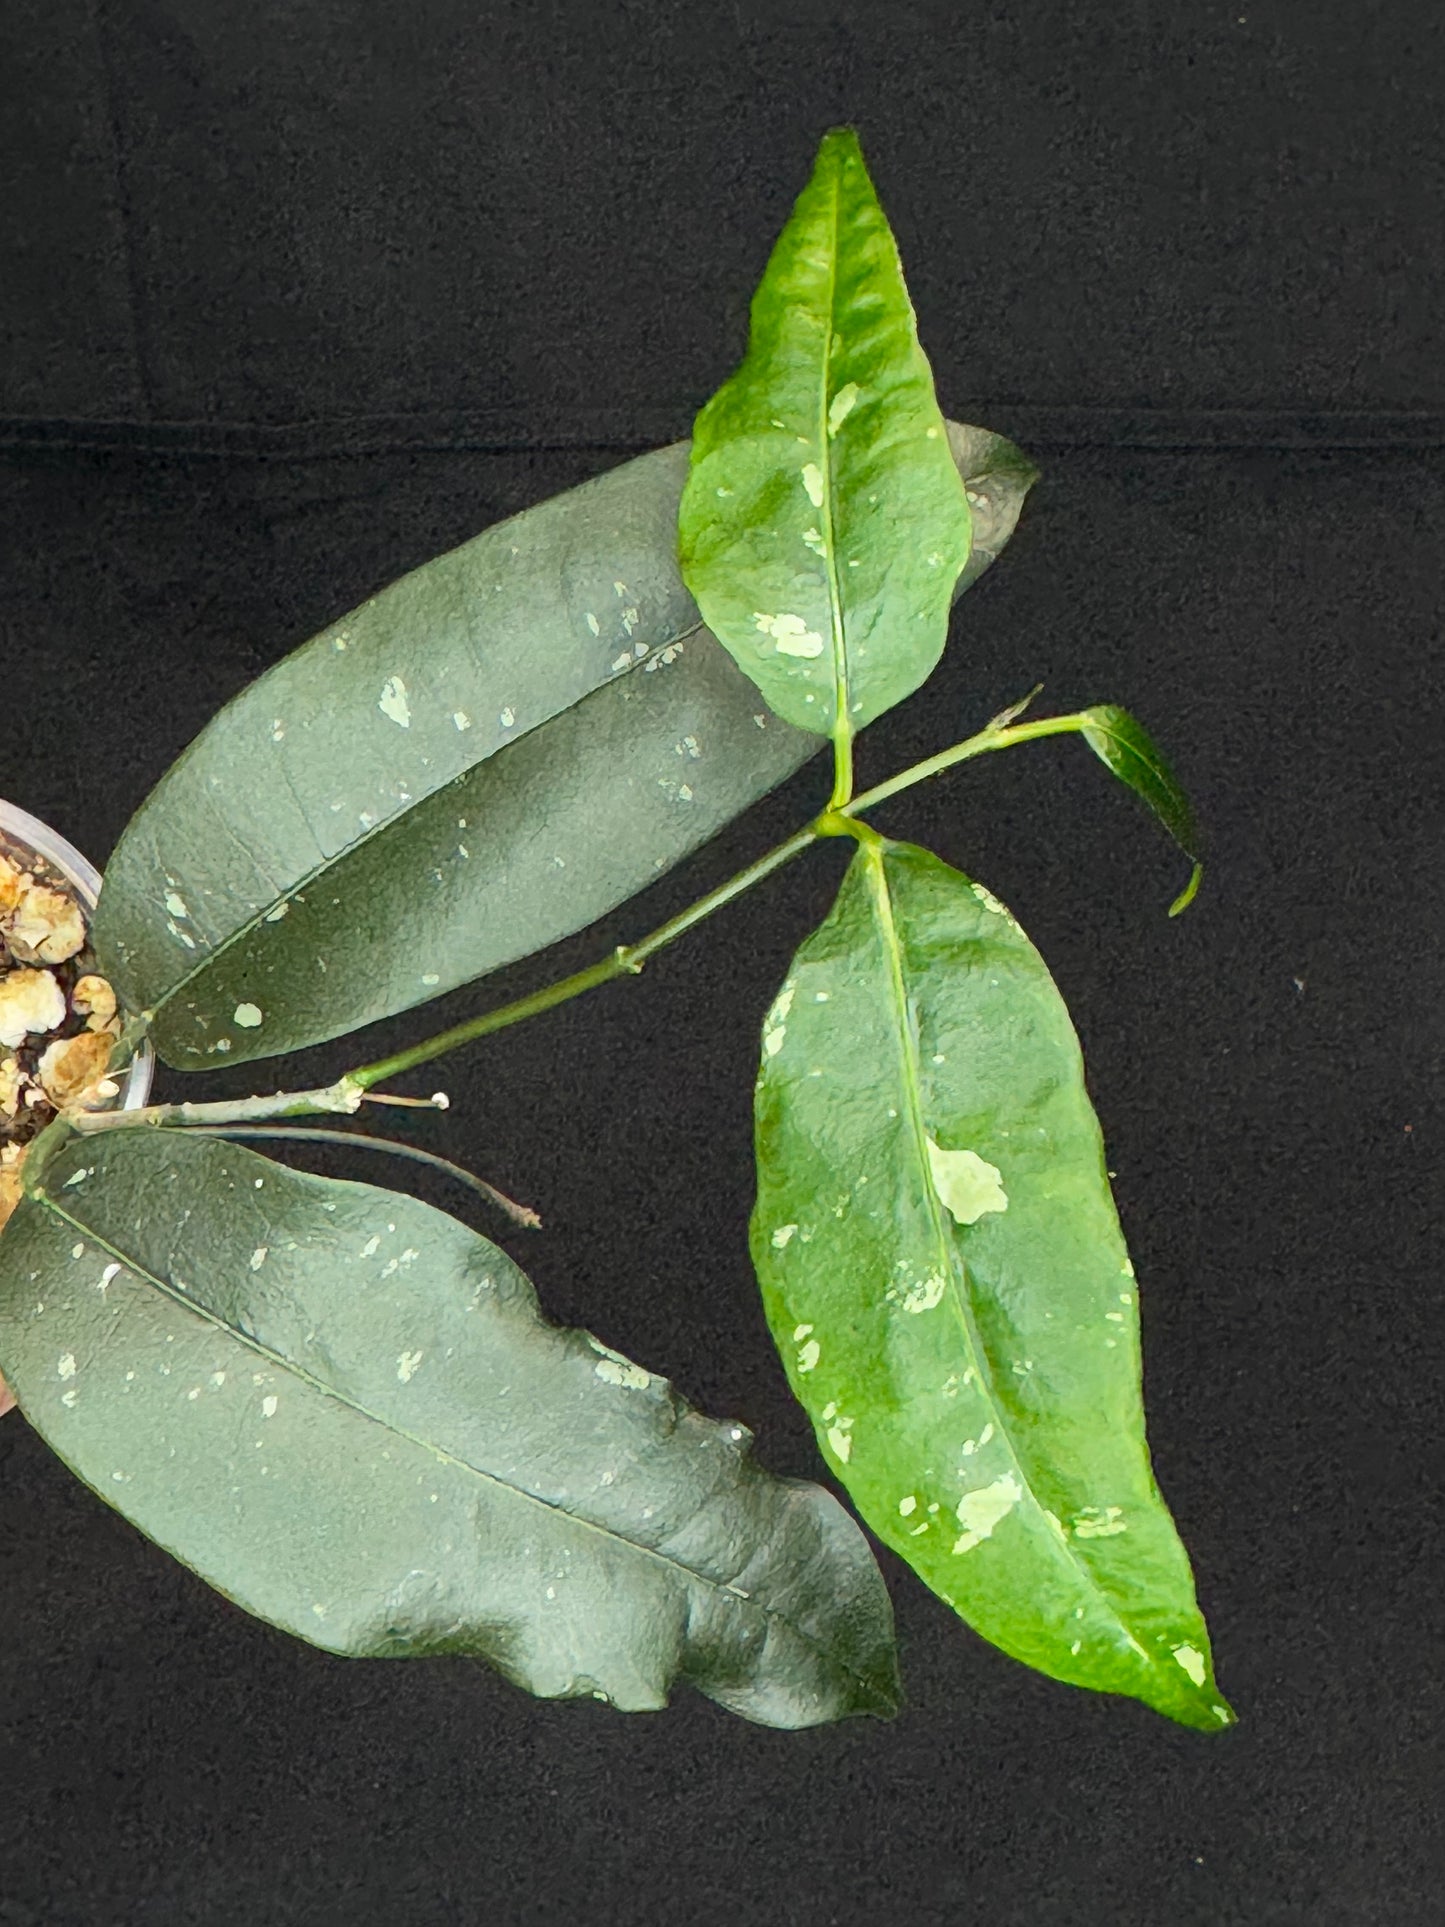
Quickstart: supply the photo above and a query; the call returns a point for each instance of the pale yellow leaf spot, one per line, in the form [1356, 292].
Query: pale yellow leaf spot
[774, 1024]
[990, 902]
[968, 1185]
[1192, 1661]
[621, 1371]
[980, 1512]
[393, 703]
[924, 1296]
[1099, 1522]
[842, 406]
[791, 635]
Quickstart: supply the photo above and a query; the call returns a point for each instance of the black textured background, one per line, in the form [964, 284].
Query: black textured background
[294, 296]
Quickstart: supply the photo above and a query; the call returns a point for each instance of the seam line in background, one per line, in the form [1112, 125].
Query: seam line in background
[518, 431]
[120, 210]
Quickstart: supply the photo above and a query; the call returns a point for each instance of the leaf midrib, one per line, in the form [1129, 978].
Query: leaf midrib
[298, 1372]
[216, 950]
[875, 855]
[841, 728]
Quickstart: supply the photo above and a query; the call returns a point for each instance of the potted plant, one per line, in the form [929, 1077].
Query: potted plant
[344, 1407]
[58, 1016]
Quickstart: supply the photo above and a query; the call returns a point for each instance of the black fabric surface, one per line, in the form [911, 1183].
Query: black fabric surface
[297, 297]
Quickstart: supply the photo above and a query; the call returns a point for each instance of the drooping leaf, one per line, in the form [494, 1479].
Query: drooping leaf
[483, 758]
[947, 1282]
[343, 1409]
[823, 525]
[1122, 743]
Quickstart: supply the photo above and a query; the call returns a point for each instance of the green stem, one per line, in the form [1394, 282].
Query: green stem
[626, 960]
[986, 740]
[836, 820]
[842, 766]
[844, 823]
[839, 819]
[342, 1096]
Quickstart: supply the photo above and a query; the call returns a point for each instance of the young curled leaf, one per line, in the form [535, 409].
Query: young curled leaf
[344, 1410]
[945, 1276]
[1122, 744]
[824, 524]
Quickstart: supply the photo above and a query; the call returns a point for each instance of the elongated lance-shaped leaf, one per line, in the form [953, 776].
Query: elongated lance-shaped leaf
[1122, 743]
[947, 1282]
[484, 757]
[823, 525]
[343, 1409]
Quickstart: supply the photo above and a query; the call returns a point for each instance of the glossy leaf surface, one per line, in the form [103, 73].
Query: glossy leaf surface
[343, 1409]
[1122, 744]
[483, 758]
[823, 525]
[947, 1282]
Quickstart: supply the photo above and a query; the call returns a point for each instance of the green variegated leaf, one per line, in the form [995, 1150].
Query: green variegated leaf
[344, 1410]
[484, 757]
[1122, 743]
[947, 1282]
[823, 525]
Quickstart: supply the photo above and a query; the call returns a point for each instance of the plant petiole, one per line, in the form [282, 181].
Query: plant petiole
[344, 1097]
[836, 820]
[521, 1214]
[626, 960]
[348, 1093]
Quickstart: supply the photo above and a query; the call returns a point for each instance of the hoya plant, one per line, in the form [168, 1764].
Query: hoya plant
[342, 1407]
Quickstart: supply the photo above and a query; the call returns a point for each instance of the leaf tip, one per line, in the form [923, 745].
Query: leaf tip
[1210, 1713]
[842, 140]
[1190, 891]
[887, 1699]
